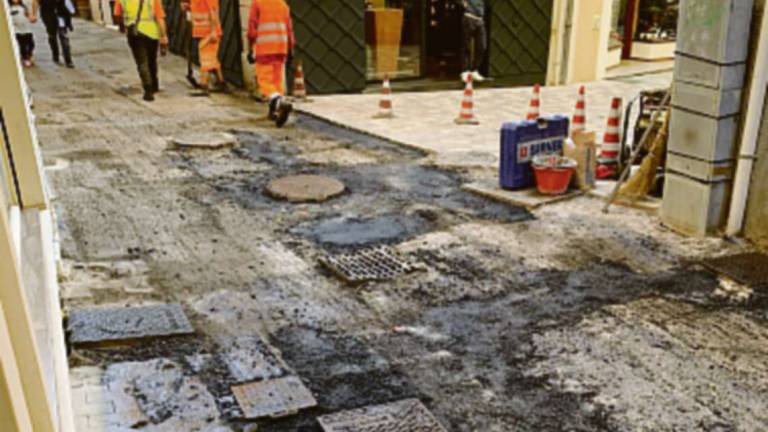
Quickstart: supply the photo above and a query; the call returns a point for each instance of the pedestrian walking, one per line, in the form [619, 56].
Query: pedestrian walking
[270, 33]
[473, 35]
[22, 17]
[57, 17]
[206, 34]
[143, 21]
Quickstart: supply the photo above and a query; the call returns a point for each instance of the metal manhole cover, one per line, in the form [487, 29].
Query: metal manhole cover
[204, 140]
[379, 263]
[748, 268]
[305, 188]
[273, 398]
[408, 415]
[123, 323]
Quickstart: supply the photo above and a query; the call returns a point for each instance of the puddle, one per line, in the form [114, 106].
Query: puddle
[356, 231]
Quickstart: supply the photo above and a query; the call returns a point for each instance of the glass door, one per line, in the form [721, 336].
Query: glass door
[394, 38]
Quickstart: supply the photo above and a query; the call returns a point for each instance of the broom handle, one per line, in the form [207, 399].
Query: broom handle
[636, 152]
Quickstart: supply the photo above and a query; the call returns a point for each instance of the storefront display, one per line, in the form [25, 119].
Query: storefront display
[645, 29]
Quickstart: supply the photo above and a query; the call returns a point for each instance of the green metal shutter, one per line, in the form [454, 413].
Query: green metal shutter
[330, 40]
[520, 34]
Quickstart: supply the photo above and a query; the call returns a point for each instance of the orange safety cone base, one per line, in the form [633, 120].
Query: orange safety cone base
[607, 172]
[465, 121]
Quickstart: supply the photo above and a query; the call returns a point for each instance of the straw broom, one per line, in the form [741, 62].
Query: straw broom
[638, 187]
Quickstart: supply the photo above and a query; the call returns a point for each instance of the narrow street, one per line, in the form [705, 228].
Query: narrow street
[558, 319]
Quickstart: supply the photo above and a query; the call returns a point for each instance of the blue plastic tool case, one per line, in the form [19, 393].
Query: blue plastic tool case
[522, 140]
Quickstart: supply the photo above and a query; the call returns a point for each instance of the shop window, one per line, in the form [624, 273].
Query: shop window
[657, 21]
[394, 36]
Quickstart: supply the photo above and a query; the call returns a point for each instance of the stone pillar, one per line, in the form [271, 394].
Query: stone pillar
[712, 50]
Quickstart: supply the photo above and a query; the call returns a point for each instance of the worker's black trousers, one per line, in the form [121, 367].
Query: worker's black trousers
[58, 35]
[144, 51]
[473, 31]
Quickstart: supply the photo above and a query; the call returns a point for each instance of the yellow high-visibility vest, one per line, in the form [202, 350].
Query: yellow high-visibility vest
[147, 24]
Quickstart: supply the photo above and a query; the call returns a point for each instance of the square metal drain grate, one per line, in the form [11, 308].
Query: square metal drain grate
[408, 415]
[273, 398]
[748, 268]
[96, 325]
[373, 264]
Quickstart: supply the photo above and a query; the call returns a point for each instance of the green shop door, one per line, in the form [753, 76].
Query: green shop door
[330, 40]
[519, 40]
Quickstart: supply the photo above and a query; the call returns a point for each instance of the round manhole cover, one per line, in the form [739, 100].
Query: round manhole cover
[203, 140]
[305, 188]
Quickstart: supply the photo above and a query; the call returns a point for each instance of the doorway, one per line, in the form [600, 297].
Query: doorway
[444, 39]
[413, 40]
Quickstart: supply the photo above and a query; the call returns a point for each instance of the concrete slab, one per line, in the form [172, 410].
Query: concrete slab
[96, 325]
[250, 359]
[528, 198]
[273, 398]
[408, 415]
[305, 188]
[605, 188]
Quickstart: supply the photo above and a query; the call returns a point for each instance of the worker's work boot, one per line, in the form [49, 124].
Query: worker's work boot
[221, 87]
[284, 109]
[273, 103]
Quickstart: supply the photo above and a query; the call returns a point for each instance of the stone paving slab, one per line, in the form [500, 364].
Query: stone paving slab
[94, 325]
[605, 188]
[528, 198]
[408, 415]
[273, 398]
[426, 120]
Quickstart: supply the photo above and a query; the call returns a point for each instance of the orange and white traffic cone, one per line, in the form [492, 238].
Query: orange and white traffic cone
[467, 114]
[534, 109]
[579, 122]
[608, 160]
[385, 104]
[299, 85]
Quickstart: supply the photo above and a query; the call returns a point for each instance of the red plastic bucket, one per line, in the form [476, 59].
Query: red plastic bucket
[552, 181]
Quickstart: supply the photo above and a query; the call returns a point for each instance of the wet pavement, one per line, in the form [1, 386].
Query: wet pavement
[561, 319]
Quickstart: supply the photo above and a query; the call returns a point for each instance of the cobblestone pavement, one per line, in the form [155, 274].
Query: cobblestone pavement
[425, 120]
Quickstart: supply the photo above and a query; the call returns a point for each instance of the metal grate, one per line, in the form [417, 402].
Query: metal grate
[273, 398]
[125, 323]
[520, 36]
[408, 415]
[748, 268]
[379, 263]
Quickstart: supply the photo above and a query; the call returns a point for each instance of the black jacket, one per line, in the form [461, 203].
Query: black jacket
[52, 10]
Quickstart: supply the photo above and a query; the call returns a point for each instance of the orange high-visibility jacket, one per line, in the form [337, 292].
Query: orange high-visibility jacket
[202, 21]
[270, 30]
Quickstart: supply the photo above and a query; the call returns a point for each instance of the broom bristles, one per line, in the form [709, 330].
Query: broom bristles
[638, 187]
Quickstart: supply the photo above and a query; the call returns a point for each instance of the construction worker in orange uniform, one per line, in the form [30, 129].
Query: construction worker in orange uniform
[270, 33]
[206, 32]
